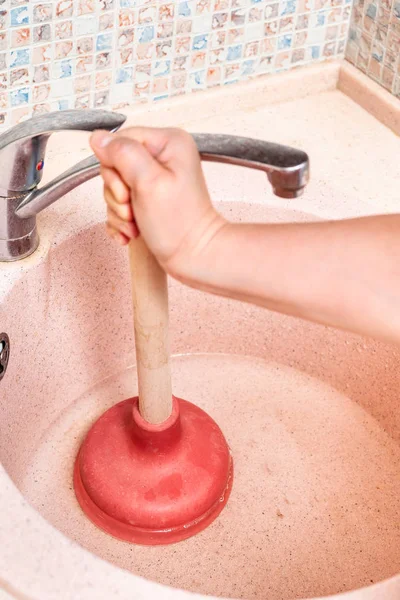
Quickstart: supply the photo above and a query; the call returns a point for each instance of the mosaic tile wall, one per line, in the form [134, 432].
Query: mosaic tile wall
[374, 41]
[99, 53]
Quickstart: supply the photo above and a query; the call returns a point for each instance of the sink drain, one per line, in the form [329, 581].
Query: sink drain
[4, 353]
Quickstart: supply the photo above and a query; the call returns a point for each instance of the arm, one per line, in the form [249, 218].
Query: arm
[340, 273]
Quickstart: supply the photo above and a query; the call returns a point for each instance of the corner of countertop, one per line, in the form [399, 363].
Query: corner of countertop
[371, 96]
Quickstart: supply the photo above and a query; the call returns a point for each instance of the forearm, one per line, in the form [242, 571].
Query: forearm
[340, 273]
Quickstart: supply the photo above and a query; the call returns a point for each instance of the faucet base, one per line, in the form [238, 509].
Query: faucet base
[19, 248]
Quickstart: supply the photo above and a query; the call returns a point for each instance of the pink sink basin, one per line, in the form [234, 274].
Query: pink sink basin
[311, 414]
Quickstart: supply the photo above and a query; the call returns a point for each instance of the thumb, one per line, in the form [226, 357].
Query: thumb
[132, 161]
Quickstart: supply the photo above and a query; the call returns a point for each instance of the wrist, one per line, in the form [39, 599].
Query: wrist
[193, 261]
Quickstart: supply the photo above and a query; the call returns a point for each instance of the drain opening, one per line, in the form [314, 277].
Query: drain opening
[4, 353]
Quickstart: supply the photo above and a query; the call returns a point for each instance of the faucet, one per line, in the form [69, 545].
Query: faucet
[22, 158]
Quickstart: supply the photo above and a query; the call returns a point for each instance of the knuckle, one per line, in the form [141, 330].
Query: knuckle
[120, 145]
[121, 213]
[126, 213]
[112, 218]
[117, 146]
[180, 134]
[126, 132]
[107, 196]
[183, 142]
[120, 191]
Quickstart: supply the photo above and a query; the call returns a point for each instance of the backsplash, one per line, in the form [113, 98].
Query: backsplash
[374, 41]
[109, 53]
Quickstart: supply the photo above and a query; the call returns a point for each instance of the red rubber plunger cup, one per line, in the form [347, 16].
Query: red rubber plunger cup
[153, 484]
[153, 469]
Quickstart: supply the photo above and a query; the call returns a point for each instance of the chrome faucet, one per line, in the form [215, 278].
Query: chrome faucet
[22, 159]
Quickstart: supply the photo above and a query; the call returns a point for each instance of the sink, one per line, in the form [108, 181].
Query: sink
[310, 413]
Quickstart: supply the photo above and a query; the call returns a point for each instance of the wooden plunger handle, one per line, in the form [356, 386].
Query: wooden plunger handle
[150, 310]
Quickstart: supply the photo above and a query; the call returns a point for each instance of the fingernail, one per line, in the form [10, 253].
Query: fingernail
[101, 138]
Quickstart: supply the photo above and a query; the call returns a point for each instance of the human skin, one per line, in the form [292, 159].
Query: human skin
[344, 274]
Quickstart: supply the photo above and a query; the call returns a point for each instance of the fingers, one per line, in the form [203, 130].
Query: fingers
[128, 229]
[120, 238]
[154, 139]
[120, 219]
[171, 147]
[168, 145]
[119, 190]
[124, 211]
[134, 163]
[121, 225]
[118, 230]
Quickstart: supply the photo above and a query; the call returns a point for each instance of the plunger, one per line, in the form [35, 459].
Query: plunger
[153, 469]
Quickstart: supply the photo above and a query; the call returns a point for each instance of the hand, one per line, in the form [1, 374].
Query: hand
[154, 185]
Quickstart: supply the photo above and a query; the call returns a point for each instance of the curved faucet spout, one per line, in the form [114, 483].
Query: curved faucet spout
[287, 169]
[22, 156]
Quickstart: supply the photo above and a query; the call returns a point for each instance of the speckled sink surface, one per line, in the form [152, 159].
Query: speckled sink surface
[354, 162]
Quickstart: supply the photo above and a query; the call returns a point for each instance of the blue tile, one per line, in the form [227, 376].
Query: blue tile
[377, 53]
[396, 10]
[198, 78]
[352, 34]
[124, 75]
[63, 104]
[65, 69]
[234, 52]
[371, 11]
[19, 57]
[164, 97]
[288, 7]
[127, 3]
[284, 42]
[320, 19]
[19, 97]
[19, 16]
[315, 51]
[200, 42]
[104, 41]
[162, 68]
[248, 67]
[184, 9]
[146, 34]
